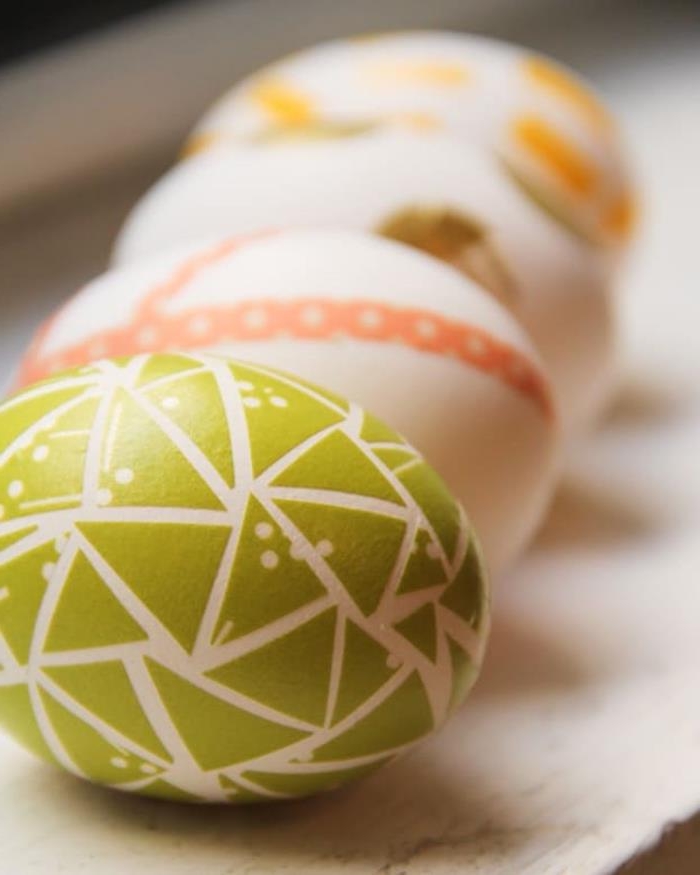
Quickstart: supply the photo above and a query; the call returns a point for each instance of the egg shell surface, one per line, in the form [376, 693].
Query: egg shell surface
[220, 583]
[402, 334]
[428, 190]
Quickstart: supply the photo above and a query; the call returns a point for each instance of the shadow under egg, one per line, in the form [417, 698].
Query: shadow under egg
[648, 400]
[590, 516]
[420, 804]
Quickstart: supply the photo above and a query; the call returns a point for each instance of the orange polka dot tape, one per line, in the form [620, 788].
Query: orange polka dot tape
[153, 328]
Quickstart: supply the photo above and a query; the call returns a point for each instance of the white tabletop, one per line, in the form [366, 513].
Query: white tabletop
[582, 740]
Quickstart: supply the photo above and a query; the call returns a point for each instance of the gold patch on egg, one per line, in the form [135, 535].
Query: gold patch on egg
[284, 103]
[456, 238]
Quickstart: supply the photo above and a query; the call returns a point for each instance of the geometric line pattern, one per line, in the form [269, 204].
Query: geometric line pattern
[221, 647]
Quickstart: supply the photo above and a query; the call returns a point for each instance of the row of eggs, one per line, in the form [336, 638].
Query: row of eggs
[219, 581]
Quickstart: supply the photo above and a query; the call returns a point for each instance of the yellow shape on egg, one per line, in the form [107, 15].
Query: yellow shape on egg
[620, 217]
[561, 156]
[199, 142]
[282, 102]
[553, 79]
[417, 121]
[439, 74]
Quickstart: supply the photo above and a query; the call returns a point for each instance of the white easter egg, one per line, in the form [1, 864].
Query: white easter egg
[547, 125]
[427, 189]
[401, 333]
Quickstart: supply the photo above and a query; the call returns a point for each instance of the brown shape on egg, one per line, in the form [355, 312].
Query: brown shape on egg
[456, 238]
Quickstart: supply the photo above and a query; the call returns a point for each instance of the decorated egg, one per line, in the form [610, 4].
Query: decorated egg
[221, 583]
[432, 191]
[381, 323]
[551, 133]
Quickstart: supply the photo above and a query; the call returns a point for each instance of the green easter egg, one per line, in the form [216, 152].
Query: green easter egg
[219, 583]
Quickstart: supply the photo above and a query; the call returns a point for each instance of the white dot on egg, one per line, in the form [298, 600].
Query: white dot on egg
[371, 318]
[147, 336]
[268, 390]
[252, 401]
[199, 325]
[47, 569]
[269, 559]
[124, 475]
[104, 496]
[119, 762]
[40, 453]
[244, 385]
[2, 511]
[278, 401]
[263, 531]
[148, 768]
[255, 318]
[4, 593]
[426, 328]
[170, 403]
[475, 345]
[97, 349]
[15, 489]
[312, 316]
[324, 548]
